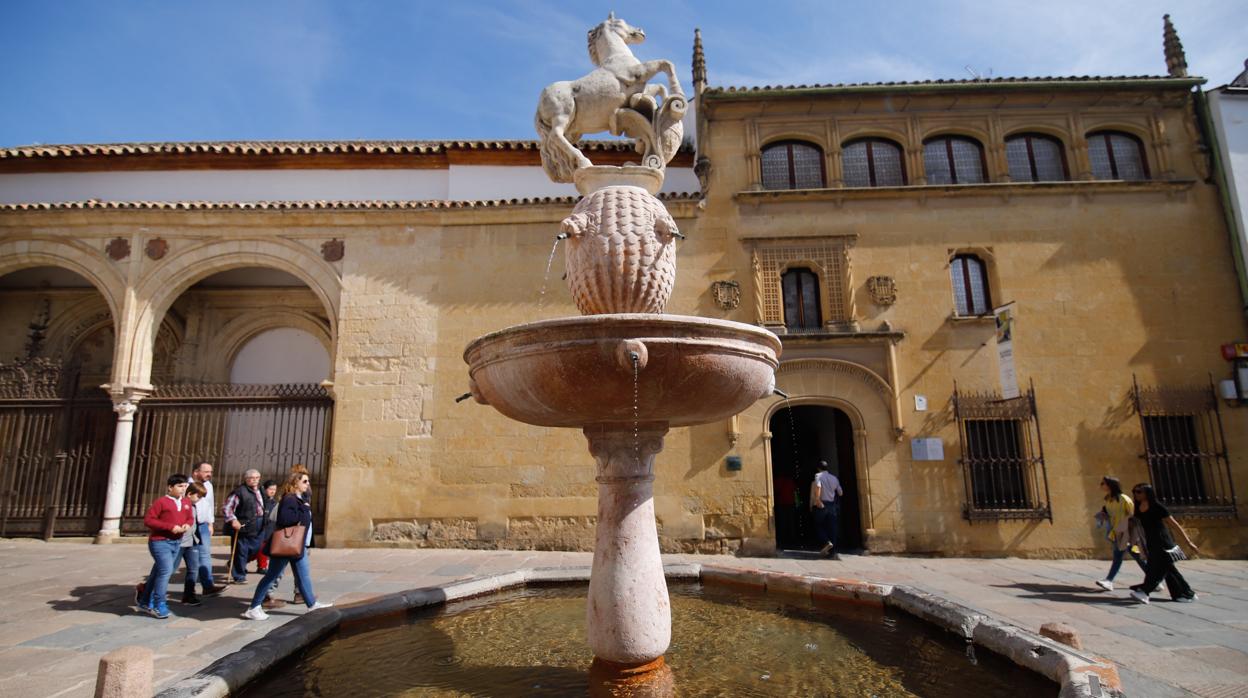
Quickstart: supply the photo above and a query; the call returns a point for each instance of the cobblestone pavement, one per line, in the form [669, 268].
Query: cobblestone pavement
[67, 604]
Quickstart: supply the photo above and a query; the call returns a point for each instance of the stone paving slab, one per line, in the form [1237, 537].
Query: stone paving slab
[68, 603]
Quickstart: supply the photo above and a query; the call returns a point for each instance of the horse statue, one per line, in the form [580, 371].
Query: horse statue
[614, 97]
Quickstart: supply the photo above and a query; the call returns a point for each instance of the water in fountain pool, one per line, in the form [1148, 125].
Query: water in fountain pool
[532, 642]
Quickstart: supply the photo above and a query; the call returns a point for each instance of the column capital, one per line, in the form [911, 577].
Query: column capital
[126, 397]
[624, 453]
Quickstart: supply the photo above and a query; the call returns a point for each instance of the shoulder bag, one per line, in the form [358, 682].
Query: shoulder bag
[287, 542]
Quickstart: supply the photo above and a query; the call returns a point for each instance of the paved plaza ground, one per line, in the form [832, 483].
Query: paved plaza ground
[66, 604]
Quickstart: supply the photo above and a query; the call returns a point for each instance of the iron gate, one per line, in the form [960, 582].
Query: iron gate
[55, 445]
[235, 427]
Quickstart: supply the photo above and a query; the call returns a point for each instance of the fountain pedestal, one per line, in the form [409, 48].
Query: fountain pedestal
[628, 616]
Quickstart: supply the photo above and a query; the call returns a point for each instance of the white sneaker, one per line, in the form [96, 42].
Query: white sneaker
[1140, 596]
[319, 605]
[827, 547]
[255, 613]
[1105, 584]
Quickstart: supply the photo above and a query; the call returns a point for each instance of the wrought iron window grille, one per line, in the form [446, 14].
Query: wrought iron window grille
[1185, 448]
[1002, 457]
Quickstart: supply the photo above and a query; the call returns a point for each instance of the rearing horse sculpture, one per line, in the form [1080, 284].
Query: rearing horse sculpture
[568, 109]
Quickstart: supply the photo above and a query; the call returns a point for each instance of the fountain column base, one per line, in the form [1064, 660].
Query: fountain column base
[628, 617]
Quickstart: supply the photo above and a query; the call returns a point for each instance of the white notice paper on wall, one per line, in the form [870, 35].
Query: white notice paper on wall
[927, 449]
[1005, 350]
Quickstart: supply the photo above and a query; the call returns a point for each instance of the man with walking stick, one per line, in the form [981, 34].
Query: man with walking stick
[244, 518]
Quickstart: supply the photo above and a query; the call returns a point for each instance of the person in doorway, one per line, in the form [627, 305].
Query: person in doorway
[244, 515]
[205, 517]
[1160, 548]
[292, 511]
[825, 493]
[1115, 513]
[167, 519]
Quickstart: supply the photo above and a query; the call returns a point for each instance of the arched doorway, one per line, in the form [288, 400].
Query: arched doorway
[243, 391]
[56, 424]
[802, 436]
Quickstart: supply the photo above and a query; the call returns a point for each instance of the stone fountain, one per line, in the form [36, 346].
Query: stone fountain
[624, 372]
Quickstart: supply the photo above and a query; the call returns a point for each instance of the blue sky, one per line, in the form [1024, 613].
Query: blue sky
[86, 72]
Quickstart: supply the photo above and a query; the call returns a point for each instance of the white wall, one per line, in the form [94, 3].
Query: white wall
[1229, 110]
[282, 355]
[459, 183]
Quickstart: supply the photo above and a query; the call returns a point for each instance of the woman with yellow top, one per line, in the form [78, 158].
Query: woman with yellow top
[1115, 513]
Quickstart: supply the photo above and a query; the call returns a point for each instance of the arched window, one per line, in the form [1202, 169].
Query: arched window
[970, 285]
[801, 299]
[1117, 155]
[873, 162]
[1035, 158]
[793, 165]
[953, 160]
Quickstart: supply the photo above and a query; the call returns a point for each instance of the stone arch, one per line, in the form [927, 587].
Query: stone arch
[74, 255]
[235, 335]
[158, 290]
[864, 396]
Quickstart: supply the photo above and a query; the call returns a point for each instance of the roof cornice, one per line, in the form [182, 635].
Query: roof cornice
[1073, 83]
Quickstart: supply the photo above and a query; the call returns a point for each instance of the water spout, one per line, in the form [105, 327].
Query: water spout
[563, 236]
[781, 393]
[463, 397]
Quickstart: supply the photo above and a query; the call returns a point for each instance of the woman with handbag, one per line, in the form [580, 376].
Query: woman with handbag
[1162, 551]
[288, 545]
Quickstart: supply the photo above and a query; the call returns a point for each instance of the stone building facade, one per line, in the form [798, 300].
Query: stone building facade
[873, 227]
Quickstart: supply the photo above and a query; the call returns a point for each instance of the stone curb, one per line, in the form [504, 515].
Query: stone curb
[1080, 675]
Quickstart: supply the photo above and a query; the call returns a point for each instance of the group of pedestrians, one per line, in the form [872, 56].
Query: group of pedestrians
[268, 523]
[1140, 526]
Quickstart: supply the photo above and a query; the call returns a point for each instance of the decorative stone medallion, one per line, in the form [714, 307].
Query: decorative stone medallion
[156, 248]
[118, 249]
[333, 250]
[727, 294]
[883, 290]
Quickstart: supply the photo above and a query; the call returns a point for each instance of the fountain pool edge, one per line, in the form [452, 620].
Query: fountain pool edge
[1078, 673]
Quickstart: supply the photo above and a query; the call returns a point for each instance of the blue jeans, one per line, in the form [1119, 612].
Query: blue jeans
[165, 553]
[303, 578]
[827, 520]
[191, 555]
[244, 550]
[203, 554]
[1116, 565]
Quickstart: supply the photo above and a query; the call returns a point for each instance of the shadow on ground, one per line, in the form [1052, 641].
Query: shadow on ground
[1066, 593]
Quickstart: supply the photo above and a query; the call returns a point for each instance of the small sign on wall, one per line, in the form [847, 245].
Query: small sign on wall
[927, 449]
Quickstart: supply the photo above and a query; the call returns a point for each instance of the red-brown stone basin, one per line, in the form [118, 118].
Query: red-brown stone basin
[578, 371]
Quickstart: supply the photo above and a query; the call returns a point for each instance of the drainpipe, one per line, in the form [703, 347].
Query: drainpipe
[1205, 119]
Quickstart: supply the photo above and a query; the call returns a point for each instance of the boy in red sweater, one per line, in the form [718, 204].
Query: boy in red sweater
[168, 518]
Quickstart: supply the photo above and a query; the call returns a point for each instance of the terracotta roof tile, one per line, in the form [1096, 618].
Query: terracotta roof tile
[288, 148]
[1003, 81]
[94, 204]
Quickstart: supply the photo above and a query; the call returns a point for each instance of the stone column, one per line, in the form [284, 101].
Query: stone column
[629, 615]
[125, 404]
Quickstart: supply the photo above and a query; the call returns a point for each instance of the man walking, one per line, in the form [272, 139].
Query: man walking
[244, 515]
[825, 493]
[205, 515]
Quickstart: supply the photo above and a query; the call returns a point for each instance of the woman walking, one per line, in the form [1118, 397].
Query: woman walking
[294, 518]
[168, 518]
[1116, 512]
[1162, 552]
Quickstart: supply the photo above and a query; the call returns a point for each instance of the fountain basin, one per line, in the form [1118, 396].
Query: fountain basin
[579, 371]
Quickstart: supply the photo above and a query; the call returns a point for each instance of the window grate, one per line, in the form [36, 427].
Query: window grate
[826, 259]
[1185, 448]
[1002, 459]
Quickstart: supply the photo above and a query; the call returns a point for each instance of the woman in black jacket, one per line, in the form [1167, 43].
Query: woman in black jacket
[292, 511]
